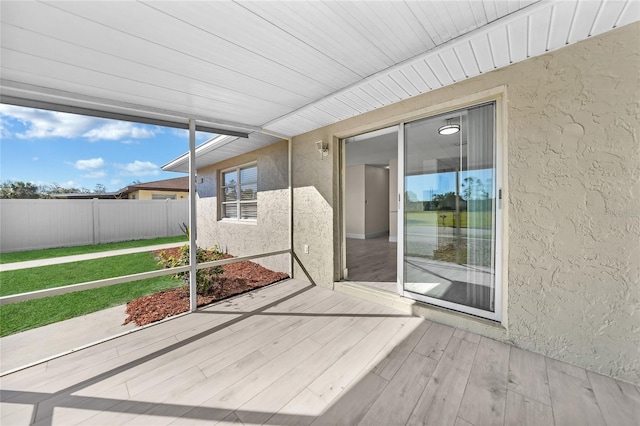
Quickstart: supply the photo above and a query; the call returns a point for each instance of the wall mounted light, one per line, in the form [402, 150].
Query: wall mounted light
[449, 129]
[323, 148]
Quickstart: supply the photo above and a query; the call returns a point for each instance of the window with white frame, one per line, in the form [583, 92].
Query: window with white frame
[239, 193]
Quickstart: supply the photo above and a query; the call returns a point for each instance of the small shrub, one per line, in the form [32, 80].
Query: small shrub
[449, 253]
[206, 278]
[185, 229]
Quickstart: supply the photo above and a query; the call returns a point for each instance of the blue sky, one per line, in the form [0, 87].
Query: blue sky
[427, 185]
[45, 147]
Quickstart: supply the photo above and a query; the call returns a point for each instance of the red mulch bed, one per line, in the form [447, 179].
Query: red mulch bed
[237, 278]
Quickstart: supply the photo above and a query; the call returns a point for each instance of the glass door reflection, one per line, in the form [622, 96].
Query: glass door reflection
[450, 210]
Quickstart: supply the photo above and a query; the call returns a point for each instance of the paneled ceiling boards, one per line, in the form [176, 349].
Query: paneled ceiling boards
[283, 67]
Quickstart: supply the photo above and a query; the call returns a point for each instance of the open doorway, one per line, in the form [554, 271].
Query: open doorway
[438, 242]
[370, 191]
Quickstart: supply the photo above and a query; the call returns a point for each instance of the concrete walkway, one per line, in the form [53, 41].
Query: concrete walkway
[28, 347]
[79, 257]
[21, 349]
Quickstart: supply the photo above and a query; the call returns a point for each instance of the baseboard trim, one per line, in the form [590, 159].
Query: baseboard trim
[376, 234]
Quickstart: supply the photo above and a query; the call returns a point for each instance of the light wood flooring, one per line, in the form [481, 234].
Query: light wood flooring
[298, 354]
[372, 260]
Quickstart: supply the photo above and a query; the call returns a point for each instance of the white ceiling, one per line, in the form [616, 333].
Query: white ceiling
[378, 148]
[284, 67]
[374, 149]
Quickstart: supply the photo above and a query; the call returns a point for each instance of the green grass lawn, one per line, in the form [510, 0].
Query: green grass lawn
[31, 279]
[23, 316]
[30, 314]
[480, 219]
[22, 256]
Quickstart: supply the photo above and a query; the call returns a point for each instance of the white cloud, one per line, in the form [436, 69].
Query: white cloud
[139, 168]
[48, 124]
[115, 181]
[35, 158]
[4, 132]
[117, 130]
[70, 184]
[91, 164]
[45, 124]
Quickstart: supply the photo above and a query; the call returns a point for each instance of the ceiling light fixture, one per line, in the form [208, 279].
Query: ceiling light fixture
[449, 129]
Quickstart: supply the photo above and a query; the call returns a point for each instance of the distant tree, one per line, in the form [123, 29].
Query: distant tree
[99, 189]
[446, 201]
[411, 196]
[19, 189]
[27, 190]
[473, 189]
[54, 188]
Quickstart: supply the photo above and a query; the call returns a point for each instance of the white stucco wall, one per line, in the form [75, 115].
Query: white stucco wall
[271, 230]
[572, 224]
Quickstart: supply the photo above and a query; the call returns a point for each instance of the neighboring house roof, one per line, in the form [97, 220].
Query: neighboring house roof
[87, 195]
[180, 184]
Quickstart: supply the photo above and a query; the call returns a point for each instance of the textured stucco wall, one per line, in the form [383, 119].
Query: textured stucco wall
[573, 212]
[271, 231]
[315, 192]
[574, 165]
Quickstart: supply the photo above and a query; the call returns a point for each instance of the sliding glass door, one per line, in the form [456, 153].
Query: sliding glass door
[450, 209]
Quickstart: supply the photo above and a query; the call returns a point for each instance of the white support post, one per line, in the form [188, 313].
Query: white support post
[290, 179]
[193, 263]
[400, 236]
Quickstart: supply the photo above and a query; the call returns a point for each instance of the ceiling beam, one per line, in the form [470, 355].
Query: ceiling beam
[30, 103]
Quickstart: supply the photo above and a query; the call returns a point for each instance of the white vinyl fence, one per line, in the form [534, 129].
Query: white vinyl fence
[37, 224]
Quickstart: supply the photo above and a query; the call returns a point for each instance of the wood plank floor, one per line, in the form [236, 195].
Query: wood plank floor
[372, 260]
[295, 354]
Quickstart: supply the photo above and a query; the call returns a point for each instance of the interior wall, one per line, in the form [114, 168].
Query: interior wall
[376, 214]
[572, 230]
[354, 201]
[366, 201]
[393, 200]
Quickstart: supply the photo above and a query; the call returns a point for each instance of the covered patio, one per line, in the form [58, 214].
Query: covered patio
[306, 76]
[298, 354]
